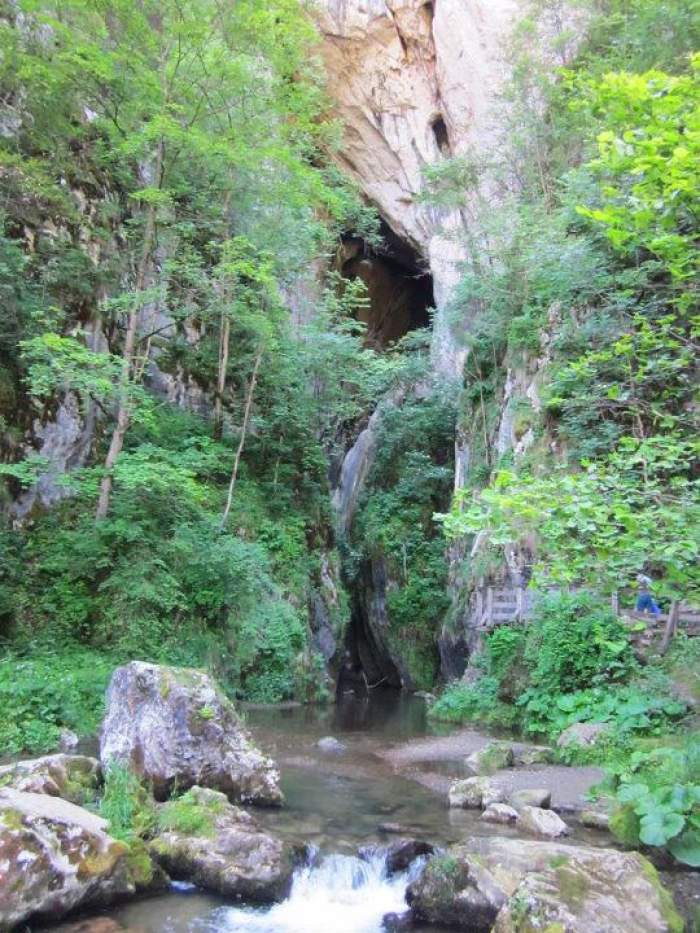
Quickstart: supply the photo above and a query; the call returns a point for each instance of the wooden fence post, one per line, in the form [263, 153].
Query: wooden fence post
[671, 626]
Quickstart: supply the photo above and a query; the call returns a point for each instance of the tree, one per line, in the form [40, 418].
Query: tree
[601, 526]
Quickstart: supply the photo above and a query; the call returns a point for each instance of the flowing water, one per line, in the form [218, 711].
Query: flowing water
[337, 803]
[341, 806]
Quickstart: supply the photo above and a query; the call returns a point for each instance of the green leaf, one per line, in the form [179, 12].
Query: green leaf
[658, 827]
[686, 848]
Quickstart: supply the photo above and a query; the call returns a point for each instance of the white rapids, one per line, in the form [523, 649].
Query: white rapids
[343, 893]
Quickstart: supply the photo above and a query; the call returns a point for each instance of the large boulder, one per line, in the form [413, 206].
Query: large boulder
[54, 858]
[220, 847]
[582, 734]
[541, 822]
[73, 777]
[519, 885]
[175, 728]
[475, 793]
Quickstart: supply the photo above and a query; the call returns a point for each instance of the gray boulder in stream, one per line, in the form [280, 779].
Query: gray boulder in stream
[220, 847]
[73, 777]
[175, 728]
[518, 886]
[56, 857]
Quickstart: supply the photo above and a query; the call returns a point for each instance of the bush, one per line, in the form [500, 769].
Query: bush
[658, 796]
[574, 643]
[50, 689]
[571, 664]
[127, 805]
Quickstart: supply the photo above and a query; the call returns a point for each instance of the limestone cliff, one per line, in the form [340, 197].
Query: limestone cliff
[414, 82]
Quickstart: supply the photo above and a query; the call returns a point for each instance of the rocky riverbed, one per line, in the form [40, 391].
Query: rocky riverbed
[364, 829]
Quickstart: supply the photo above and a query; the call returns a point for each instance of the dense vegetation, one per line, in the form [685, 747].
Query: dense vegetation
[586, 285]
[168, 194]
[166, 181]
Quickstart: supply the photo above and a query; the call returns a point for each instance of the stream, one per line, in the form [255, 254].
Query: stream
[338, 804]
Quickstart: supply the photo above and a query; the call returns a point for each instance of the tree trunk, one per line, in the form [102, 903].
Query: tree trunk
[671, 626]
[224, 336]
[123, 418]
[241, 443]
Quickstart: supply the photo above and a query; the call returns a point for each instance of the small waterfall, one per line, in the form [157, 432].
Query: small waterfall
[342, 893]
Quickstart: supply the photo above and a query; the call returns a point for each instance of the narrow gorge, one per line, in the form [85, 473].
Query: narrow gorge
[349, 474]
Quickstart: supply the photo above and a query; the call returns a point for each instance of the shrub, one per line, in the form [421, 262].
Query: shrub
[127, 805]
[50, 689]
[658, 796]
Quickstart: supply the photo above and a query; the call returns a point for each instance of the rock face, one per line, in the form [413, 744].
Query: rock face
[413, 83]
[174, 726]
[526, 886]
[73, 777]
[222, 849]
[54, 858]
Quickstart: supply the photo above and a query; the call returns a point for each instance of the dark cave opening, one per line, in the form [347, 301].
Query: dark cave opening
[399, 287]
[365, 665]
[442, 137]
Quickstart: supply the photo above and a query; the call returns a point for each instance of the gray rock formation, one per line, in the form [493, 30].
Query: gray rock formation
[499, 813]
[541, 822]
[221, 849]
[531, 797]
[476, 793]
[583, 734]
[72, 777]
[54, 858]
[174, 727]
[522, 886]
[490, 758]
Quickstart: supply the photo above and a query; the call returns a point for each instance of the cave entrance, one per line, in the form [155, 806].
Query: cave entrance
[366, 664]
[399, 288]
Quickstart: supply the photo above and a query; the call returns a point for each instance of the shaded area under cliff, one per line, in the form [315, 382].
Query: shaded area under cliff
[399, 288]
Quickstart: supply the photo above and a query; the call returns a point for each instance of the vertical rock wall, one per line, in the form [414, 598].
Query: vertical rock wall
[413, 83]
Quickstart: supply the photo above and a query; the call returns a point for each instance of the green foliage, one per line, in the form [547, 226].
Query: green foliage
[43, 690]
[572, 663]
[187, 815]
[127, 805]
[410, 474]
[648, 166]
[602, 525]
[658, 797]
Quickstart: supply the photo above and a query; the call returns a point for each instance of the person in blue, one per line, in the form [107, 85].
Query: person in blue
[645, 601]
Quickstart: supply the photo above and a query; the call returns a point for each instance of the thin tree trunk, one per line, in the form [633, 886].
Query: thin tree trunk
[224, 336]
[241, 443]
[123, 418]
[671, 626]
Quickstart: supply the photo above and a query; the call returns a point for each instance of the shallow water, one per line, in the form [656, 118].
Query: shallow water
[337, 803]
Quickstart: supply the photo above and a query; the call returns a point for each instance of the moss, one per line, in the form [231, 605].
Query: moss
[141, 867]
[191, 815]
[624, 825]
[558, 860]
[101, 863]
[572, 886]
[673, 920]
[11, 819]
